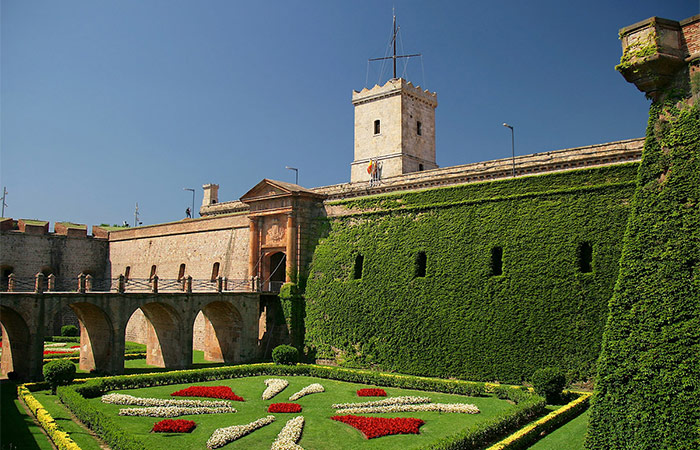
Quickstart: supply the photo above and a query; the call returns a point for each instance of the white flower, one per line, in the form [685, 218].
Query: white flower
[310, 389]
[407, 400]
[172, 411]
[439, 407]
[123, 399]
[290, 435]
[274, 387]
[222, 436]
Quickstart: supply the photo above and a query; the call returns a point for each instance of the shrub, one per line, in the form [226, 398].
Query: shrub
[549, 383]
[285, 354]
[69, 330]
[58, 373]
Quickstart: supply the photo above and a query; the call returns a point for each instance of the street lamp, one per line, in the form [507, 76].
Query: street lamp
[192, 210]
[512, 139]
[296, 178]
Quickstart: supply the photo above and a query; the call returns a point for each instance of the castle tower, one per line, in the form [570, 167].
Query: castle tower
[395, 127]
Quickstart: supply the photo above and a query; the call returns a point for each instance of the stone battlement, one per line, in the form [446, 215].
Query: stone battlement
[392, 87]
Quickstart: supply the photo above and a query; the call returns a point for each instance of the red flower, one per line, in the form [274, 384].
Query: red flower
[51, 352]
[174, 426]
[284, 408]
[371, 393]
[223, 392]
[373, 427]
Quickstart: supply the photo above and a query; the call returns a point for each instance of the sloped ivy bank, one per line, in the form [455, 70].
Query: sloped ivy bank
[503, 289]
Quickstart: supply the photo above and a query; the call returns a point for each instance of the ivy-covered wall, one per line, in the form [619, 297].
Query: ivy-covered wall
[461, 319]
[648, 387]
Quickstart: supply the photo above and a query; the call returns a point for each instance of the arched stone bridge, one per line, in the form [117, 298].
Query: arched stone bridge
[231, 328]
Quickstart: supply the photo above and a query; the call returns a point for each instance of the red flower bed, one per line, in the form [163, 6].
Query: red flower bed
[75, 346]
[174, 426]
[51, 352]
[284, 408]
[371, 393]
[373, 427]
[223, 392]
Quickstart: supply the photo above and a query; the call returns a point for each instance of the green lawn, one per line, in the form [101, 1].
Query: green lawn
[570, 436]
[17, 428]
[320, 432]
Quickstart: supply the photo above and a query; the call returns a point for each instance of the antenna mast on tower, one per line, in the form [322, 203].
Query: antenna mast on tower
[394, 56]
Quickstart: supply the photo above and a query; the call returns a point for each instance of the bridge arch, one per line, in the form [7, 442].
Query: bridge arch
[96, 336]
[222, 327]
[168, 341]
[15, 343]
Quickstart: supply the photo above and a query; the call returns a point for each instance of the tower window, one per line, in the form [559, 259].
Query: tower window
[181, 272]
[127, 272]
[357, 271]
[420, 167]
[377, 127]
[585, 257]
[153, 272]
[497, 261]
[421, 261]
[419, 128]
[215, 271]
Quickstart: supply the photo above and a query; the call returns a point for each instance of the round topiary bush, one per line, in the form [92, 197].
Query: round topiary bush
[285, 354]
[58, 373]
[549, 383]
[69, 330]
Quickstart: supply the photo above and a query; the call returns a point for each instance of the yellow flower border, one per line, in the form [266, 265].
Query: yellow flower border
[534, 427]
[59, 437]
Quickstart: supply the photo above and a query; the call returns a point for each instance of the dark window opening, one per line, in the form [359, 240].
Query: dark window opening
[420, 167]
[421, 261]
[181, 272]
[377, 127]
[127, 271]
[585, 257]
[153, 272]
[419, 128]
[357, 272]
[5, 280]
[215, 271]
[497, 261]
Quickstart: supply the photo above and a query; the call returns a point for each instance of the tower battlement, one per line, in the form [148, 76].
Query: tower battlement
[394, 86]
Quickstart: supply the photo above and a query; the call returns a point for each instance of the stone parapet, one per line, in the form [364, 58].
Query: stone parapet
[593, 155]
[392, 87]
[70, 229]
[186, 226]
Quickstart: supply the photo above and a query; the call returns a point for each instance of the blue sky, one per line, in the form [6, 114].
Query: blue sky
[109, 103]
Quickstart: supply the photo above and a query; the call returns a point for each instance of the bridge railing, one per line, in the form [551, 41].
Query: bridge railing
[87, 283]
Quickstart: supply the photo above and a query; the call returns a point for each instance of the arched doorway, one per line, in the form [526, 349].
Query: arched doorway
[165, 343]
[277, 272]
[15, 344]
[217, 331]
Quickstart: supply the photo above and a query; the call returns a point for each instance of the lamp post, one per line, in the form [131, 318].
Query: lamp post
[189, 189]
[296, 173]
[512, 139]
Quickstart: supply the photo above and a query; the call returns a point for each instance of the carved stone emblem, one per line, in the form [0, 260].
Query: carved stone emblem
[274, 232]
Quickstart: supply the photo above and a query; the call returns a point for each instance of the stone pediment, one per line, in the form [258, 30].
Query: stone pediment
[268, 189]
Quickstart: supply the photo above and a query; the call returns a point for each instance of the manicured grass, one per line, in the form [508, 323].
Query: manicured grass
[17, 428]
[64, 420]
[320, 432]
[569, 437]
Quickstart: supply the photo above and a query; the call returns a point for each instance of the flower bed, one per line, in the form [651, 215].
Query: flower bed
[59, 352]
[223, 392]
[405, 400]
[371, 393]
[222, 436]
[310, 389]
[289, 436]
[174, 426]
[464, 408]
[373, 427]
[172, 411]
[274, 387]
[124, 399]
[284, 408]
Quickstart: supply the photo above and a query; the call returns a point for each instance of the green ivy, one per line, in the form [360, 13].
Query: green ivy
[648, 387]
[459, 320]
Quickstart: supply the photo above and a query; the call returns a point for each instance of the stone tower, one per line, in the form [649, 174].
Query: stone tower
[394, 126]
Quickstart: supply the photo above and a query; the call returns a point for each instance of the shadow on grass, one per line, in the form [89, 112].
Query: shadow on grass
[17, 429]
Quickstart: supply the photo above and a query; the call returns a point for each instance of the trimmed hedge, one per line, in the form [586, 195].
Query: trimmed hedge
[648, 387]
[460, 320]
[528, 405]
[59, 437]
